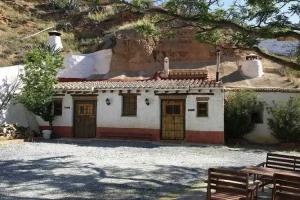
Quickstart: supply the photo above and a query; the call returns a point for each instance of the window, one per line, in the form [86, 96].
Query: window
[129, 105]
[202, 109]
[85, 109]
[257, 116]
[57, 107]
[173, 109]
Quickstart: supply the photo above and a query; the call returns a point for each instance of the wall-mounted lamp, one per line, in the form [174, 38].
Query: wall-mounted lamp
[147, 101]
[107, 101]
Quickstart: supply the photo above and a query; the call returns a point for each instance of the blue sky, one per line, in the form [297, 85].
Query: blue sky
[228, 3]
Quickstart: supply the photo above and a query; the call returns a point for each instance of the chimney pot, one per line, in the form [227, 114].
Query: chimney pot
[166, 65]
[54, 40]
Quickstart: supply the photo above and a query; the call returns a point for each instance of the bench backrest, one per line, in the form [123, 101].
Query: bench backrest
[286, 187]
[229, 181]
[285, 162]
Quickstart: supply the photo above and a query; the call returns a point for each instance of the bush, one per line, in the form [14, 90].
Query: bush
[239, 109]
[145, 27]
[102, 15]
[64, 4]
[285, 121]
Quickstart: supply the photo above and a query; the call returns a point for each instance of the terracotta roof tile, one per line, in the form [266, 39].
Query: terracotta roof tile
[146, 84]
[264, 89]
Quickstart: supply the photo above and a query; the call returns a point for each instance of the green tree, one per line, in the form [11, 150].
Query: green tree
[41, 67]
[238, 112]
[285, 121]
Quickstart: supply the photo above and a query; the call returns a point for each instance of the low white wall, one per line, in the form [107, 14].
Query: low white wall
[15, 112]
[262, 132]
[215, 119]
[18, 114]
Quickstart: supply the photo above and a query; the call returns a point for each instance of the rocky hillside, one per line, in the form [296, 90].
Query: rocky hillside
[84, 32]
[86, 29]
[22, 18]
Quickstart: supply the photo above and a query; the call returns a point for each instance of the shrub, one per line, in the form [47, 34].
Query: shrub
[239, 109]
[285, 121]
[102, 15]
[64, 4]
[145, 27]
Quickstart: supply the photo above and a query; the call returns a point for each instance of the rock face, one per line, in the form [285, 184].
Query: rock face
[135, 54]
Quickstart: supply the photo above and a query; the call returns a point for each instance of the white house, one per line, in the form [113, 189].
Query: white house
[174, 105]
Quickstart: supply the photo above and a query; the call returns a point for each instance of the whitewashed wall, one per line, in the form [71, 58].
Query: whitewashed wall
[147, 116]
[262, 132]
[15, 112]
[66, 119]
[111, 116]
[215, 119]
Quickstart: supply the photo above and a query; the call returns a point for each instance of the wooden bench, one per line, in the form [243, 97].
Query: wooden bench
[286, 187]
[225, 184]
[279, 161]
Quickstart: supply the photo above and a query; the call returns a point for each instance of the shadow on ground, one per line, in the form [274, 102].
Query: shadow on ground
[54, 178]
[115, 143]
[233, 77]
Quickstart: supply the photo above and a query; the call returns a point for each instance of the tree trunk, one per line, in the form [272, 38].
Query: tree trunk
[51, 125]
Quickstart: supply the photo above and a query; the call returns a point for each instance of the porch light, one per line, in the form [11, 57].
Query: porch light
[147, 101]
[107, 100]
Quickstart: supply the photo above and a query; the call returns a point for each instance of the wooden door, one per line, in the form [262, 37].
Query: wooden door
[85, 118]
[173, 116]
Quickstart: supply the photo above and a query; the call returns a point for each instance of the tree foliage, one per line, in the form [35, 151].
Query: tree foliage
[41, 67]
[7, 92]
[238, 112]
[141, 4]
[285, 121]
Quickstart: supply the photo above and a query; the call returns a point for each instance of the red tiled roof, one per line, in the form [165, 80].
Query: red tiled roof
[146, 84]
[183, 74]
[264, 89]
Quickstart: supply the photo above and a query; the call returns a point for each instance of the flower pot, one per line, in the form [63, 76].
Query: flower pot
[47, 134]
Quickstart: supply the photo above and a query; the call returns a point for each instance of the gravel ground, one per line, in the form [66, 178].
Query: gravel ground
[103, 169]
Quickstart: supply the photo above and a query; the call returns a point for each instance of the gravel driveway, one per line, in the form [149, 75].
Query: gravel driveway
[103, 169]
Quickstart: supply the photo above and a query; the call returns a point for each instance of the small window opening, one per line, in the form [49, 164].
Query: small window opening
[202, 109]
[57, 107]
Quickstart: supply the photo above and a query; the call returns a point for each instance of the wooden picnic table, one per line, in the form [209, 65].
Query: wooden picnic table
[269, 172]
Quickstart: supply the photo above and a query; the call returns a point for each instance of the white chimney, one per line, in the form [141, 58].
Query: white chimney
[54, 40]
[252, 67]
[166, 65]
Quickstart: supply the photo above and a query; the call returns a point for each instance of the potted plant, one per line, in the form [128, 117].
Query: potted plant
[38, 83]
[46, 113]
